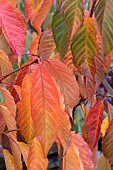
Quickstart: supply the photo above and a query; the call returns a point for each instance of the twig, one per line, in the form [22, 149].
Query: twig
[4, 77]
[9, 131]
[93, 7]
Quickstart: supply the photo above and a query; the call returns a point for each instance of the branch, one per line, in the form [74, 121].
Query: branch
[4, 77]
[93, 7]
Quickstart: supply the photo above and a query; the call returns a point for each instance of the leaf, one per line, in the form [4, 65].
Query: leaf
[9, 161]
[13, 27]
[25, 121]
[18, 81]
[68, 60]
[15, 151]
[4, 46]
[45, 107]
[60, 33]
[9, 101]
[5, 66]
[40, 15]
[84, 151]
[47, 44]
[72, 12]
[103, 14]
[2, 126]
[24, 150]
[9, 119]
[93, 123]
[18, 90]
[104, 125]
[64, 133]
[72, 159]
[85, 48]
[36, 159]
[108, 141]
[31, 7]
[65, 79]
[103, 163]
[34, 45]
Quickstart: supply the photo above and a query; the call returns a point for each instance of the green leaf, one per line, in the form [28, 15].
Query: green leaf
[84, 49]
[60, 33]
[72, 11]
[104, 17]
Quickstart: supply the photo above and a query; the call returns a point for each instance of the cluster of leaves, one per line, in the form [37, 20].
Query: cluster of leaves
[70, 53]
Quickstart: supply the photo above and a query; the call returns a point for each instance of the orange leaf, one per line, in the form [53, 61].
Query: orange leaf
[47, 44]
[15, 151]
[72, 159]
[84, 151]
[104, 125]
[2, 126]
[66, 80]
[24, 150]
[34, 45]
[24, 109]
[93, 123]
[9, 101]
[31, 7]
[36, 159]
[45, 105]
[5, 66]
[40, 15]
[103, 163]
[9, 161]
[13, 27]
[64, 133]
[108, 141]
[9, 119]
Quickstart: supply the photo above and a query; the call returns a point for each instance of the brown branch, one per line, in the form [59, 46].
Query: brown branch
[108, 87]
[9, 131]
[93, 7]
[4, 77]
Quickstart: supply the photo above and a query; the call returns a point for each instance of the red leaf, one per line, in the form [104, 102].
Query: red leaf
[45, 107]
[93, 123]
[84, 151]
[13, 26]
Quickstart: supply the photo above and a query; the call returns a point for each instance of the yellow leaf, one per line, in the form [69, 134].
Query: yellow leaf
[104, 125]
